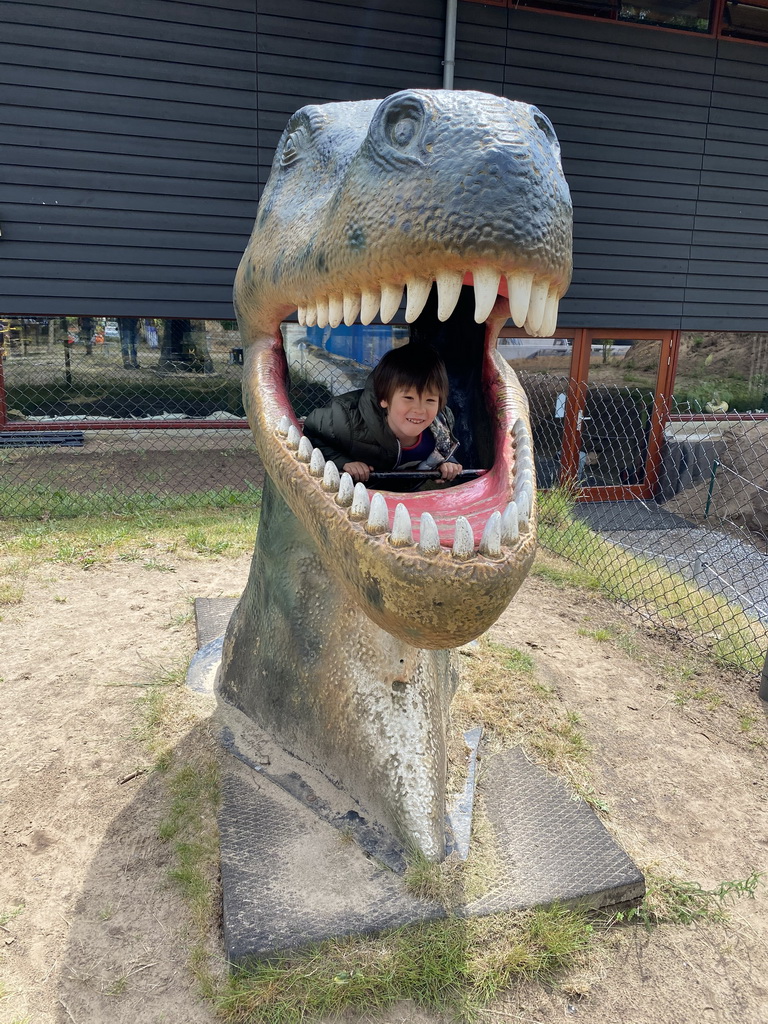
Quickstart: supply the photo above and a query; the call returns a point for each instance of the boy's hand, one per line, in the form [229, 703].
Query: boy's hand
[450, 470]
[359, 471]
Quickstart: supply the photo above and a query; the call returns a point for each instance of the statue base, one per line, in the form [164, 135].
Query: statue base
[300, 865]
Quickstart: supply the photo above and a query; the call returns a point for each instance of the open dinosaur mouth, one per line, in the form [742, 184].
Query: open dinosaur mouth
[485, 520]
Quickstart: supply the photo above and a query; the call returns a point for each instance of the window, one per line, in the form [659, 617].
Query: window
[693, 16]
[746, 20]
[732, 19]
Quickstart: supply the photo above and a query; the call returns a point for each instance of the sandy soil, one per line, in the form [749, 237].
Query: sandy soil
[101, 936]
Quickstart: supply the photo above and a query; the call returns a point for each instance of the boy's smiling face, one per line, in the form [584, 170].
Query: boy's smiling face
[409, 413]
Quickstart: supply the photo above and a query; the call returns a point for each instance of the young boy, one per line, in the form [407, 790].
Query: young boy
[399, 420]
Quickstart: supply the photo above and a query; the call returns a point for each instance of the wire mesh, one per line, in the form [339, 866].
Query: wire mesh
[173, 387]
[661, 501]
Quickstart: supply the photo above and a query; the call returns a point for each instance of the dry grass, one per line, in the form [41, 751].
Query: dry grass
[500, 691]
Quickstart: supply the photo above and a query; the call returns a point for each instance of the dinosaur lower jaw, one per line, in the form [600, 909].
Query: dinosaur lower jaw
[435, 568]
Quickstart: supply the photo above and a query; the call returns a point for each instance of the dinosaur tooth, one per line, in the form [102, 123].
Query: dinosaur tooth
[486, 291]
[523, 453]
[346, 491]
[391, 297]
[311, 315]
[510, 528]
[304, 454]
[463, 540]
[448, 290]
[284, 426]
[490, 545]
[322, 311]
[549, 320]
[523, 502]
[539, 293]
[335, 310]
[523, 481]
[351, 308]
[317, 463]
[519, 288]
[521, 432]
[331, 478]
[418, 289]
[402, 531]
[361, 503]
[523, 463]
[369, 306]
[292, 441]
[429, 538]
[378, 517]
[301, 316]
[523, 456]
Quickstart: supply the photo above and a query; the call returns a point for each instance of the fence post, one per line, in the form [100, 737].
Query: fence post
[764, 683]
[3, 402]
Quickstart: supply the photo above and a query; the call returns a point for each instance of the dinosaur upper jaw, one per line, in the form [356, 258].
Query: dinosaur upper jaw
[433, 568]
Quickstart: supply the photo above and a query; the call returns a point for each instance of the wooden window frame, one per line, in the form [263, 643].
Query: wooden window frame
[715, 30]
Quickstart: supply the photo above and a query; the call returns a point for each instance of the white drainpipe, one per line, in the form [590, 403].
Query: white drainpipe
[449, 60]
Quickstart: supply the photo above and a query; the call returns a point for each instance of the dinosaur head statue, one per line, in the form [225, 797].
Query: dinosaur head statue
[456, 200]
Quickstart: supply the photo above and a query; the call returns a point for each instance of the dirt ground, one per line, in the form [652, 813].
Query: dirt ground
[95, 933]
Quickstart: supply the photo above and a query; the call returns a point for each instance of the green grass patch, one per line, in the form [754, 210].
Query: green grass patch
[190, 828]
[11, 592]
[500, 690]
[35, 501]
[453, 966]
[731, 636]
[141, 536]
[671, 900]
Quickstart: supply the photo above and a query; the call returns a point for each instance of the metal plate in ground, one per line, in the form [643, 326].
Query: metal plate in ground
[554, 847]
[289, 878]
[211, 617]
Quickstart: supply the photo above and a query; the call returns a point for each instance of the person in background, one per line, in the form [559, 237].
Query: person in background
[86, 333]
[128, 326]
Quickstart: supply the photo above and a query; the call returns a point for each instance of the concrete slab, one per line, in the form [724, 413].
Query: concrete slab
[301, 862]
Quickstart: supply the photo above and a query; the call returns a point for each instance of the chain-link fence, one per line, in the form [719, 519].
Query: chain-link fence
[121, 415]
[661, 502]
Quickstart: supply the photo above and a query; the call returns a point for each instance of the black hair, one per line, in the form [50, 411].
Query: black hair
[411, 366]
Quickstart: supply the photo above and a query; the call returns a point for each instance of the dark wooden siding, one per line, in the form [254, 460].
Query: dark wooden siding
[323, 52]
[727, 286]
[630, 107]
[665, 147]
[129, 136]
[134, 160]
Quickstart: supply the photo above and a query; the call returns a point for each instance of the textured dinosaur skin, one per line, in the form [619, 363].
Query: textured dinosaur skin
[340, 645]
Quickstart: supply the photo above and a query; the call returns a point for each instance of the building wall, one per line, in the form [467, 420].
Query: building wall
[129, 140]
[665, 148]
[136, 158]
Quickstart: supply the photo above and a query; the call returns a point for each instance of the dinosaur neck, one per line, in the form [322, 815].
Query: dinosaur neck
[336, 690]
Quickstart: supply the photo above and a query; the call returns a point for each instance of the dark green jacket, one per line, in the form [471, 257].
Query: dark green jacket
[353, 428]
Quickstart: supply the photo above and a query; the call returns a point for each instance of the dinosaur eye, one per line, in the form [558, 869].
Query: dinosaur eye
[402, 131]
[403, 122]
